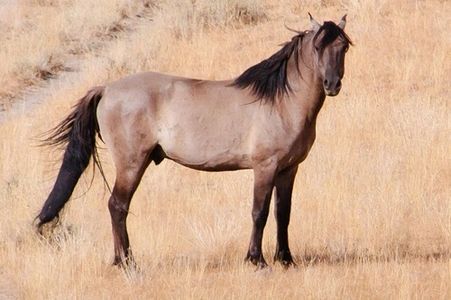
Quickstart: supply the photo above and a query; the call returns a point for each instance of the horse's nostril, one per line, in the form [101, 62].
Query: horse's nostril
[326, 82]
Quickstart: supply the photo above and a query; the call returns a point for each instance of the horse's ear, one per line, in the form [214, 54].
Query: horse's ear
[342, 23]
[315, 24]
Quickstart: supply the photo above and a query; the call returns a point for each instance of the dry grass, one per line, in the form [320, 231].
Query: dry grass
[371, 212]
[40, 38]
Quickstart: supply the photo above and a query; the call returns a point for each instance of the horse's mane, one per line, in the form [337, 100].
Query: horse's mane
[268, 79]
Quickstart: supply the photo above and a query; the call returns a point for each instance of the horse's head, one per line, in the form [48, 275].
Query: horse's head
[330, 44]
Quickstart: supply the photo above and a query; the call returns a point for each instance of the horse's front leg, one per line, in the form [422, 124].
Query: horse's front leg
[263, 186]
[284, 188]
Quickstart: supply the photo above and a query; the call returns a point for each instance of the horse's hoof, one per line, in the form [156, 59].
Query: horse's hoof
[262, 265]
[285, 259]
[117, 262]
[288, 264]
[126, 263]
[253, 260]
[258, 261]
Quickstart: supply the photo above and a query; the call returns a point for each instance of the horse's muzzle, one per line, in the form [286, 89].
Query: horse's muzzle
[332, 88]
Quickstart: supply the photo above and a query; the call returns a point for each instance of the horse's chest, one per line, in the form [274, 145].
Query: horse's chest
[300, 147]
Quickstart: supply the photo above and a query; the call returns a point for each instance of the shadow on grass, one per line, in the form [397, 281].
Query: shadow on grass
[350, 258]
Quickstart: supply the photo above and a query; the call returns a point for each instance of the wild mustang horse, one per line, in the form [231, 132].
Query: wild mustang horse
[262, 120]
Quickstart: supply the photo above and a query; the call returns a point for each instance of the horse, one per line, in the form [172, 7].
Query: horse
[263, 120]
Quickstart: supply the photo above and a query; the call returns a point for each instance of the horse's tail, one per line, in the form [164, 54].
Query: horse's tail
[78, 131]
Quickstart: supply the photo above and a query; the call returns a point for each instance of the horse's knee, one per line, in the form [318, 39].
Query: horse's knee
[117, 209]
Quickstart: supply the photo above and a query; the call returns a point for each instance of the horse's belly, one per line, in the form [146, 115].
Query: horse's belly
[213, 165]
[219, 154]
[225, 161]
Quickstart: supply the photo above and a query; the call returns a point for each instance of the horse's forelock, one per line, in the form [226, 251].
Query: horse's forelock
[331, 32]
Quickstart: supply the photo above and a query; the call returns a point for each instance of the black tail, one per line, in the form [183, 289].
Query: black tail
[78, 131]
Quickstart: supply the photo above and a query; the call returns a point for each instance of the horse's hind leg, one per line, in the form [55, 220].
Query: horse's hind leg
[129, 173]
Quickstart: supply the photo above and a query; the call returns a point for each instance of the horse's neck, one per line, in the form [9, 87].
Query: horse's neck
[307, 95]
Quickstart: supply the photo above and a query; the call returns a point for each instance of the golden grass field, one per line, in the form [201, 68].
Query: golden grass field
[371, 214]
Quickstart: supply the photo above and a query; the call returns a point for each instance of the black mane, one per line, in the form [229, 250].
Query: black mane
[268, 79]
[331, 33]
